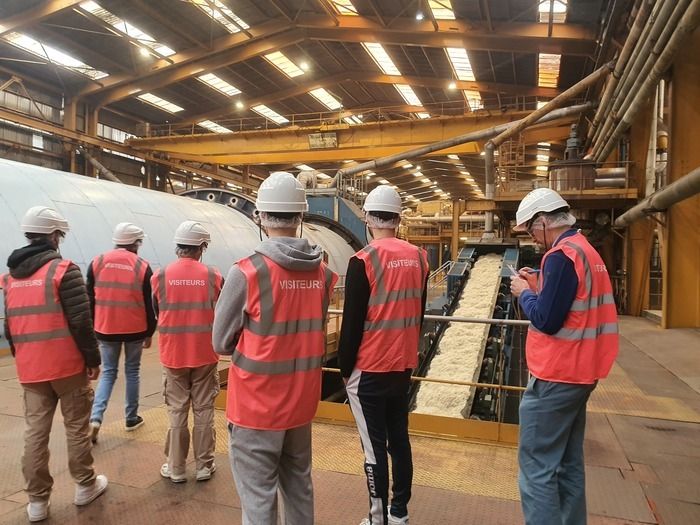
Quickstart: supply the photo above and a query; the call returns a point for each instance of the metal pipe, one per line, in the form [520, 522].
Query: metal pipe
[663, 199]
[620, 64]
[490, 183]
[686, 26]
[651, 151]
[473, 136]
[448, 318]
[659, 39]
[611, 172]
[104, 172]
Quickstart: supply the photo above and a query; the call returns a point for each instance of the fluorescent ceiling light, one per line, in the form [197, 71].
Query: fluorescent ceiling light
[124, 28]
[442, 9]
[460, 63]
[418, 174]
[543, 145]
[382, 59]
[344, 7]
[548, 70]
[286, 66]
[219, 84]
[218, 11]
[269, 114]
[213, 126]
[325, 98]
[53, 55]
[408, 166]
[160, 103]
[465, 173]
[453, 157]
[426, 181]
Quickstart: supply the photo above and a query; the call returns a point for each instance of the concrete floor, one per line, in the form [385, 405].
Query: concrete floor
[642, 456]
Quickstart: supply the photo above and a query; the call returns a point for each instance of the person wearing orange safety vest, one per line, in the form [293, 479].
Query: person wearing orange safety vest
[571, 343]
[184, 295]
[49, 328]
[271, 319]
[385, 294]
[119, 286]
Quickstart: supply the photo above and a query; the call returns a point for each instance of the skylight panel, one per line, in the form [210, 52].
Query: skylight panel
[381, 57]
[461, 64]
[286, 66]
[325, 98]
[423, 115]
[160, 103]
[213, 126]
[548, 70]
[442, 9]
[304, 167]
[53, 55]
[344, 7]
[125, 28]
[269, 114]
[558, 9]
[219, 84]
[353, 119]
[473, 99]
[543, 158]
[408, 94]
[218, 11]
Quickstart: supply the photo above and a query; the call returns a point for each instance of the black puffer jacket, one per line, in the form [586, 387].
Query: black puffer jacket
[25, 261]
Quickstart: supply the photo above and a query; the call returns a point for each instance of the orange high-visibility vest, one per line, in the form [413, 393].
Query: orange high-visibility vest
[186, 291]
[274, 382]
[119, 302]
[396, 271]
[586, 346]
[44, 347]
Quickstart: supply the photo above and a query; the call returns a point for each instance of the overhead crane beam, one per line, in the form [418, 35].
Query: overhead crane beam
[379, 78]
[35, 15]
[291, 144]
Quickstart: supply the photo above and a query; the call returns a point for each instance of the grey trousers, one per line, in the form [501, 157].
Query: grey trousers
[267, 461]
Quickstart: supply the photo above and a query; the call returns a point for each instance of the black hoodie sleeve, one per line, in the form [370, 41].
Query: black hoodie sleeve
[354, 314]
[76, 307]
[151, 320]
[90, 285]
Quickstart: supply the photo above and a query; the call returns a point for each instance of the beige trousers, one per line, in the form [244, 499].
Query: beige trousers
[180, 387]
[40, 400]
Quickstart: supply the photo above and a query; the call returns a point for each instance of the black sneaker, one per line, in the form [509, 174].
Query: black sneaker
[133, 424]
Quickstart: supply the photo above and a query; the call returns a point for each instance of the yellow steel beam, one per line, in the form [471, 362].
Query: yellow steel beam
[76, 137]
[291, 144]
[379, 78]
[569, 39]
[35, 15]
[681, 278]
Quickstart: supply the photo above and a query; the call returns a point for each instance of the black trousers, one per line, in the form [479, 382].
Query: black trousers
[379, 403]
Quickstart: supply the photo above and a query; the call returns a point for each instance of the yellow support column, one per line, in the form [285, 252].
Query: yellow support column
[681, 278]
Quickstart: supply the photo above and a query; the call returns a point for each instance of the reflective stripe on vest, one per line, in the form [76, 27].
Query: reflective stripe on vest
[584, 349]
[44, 347]
[275, 374]
[185, 324]
[391, 328]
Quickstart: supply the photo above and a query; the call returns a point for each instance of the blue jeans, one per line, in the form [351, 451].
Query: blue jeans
[110, 366]
[552, 478]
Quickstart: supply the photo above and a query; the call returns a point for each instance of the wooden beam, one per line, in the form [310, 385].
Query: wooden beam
[35, 15]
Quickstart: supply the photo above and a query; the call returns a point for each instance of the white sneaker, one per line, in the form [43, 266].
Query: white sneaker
[85, 494]
[205, 473]
[165, 472]
[365, 522]
[393, 520]
[38, 510]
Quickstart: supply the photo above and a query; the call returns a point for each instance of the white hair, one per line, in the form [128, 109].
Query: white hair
[381, 224]
[270, 221]
[559, 219]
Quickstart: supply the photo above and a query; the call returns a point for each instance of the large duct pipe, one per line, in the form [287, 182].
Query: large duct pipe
[663, 199]
[535, 116]
[688, 23]
[620, 64]
[104, 172]
[473, 136]
[655, 46]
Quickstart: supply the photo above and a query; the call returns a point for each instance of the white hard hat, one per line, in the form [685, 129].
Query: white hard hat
[42, 219]
[126, 233]
[383, 198]
[541, 200]
[281, 193]
[191, 233]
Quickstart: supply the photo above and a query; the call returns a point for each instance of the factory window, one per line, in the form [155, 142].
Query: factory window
[110, 133]
[344, 7]
[442, 9]
[381, 57]
[548, 70]
[557, 8]
[218, 12]
[37, 141]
